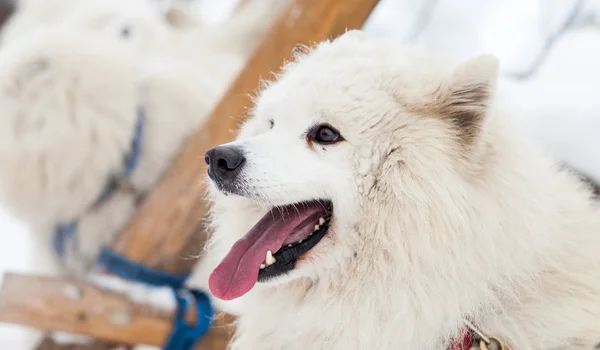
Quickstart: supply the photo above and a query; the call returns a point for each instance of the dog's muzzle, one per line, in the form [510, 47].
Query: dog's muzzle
[224, 165]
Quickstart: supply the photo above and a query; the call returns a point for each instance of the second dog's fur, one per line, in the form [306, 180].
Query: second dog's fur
[71, 89]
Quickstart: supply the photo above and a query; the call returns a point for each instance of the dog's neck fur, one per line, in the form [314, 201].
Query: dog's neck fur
[415, 278]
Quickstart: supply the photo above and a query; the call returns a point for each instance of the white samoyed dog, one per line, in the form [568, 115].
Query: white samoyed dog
[379, 197]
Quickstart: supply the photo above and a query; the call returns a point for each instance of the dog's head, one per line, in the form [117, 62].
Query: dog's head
[351, 133]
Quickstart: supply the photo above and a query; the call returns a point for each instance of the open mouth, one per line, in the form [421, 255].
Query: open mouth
[271, 248]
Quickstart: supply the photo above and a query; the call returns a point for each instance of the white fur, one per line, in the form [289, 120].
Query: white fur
[434, 219]
[69, 90]
[148, 21]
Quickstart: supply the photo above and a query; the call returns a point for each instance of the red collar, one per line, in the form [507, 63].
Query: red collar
[463, 341]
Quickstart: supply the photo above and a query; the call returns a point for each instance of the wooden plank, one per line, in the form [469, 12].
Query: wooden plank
[167, 226]
[48, 343]
[61, 304]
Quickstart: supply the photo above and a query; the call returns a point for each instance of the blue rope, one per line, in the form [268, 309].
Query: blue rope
[184, 336]
[130, 270]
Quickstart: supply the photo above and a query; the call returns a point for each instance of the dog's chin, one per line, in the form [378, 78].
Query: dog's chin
[275, 249]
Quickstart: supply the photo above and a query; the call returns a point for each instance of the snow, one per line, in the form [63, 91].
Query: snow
[559, 105]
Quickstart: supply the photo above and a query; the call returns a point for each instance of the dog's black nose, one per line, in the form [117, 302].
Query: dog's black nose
[224, 162]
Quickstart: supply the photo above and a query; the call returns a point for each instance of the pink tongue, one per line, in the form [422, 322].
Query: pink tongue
[238, 272]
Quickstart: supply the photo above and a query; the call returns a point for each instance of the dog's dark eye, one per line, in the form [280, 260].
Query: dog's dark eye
[125, 32]
[325, 135]
[271, 123]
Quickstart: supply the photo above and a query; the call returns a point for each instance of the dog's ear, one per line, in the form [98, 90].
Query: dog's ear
[465, 97]
[179, 15]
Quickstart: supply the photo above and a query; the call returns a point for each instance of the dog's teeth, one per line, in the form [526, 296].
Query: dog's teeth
[321, 221]
[262, 266]
[317, 227]
[289, 245]
[269, 260]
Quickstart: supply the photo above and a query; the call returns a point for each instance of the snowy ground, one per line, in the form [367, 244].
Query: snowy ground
[559, 104]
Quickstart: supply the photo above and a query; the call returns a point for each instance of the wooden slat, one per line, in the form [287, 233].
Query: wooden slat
[166, 228]
[48, 343]
[66, 305]
[71, 306]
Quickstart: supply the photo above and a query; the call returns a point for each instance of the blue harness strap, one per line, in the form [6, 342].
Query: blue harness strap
[184, 336]
[62, 235]
[66, 233]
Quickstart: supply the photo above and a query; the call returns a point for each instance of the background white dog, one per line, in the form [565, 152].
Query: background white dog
[74, 90]
[387, 196]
